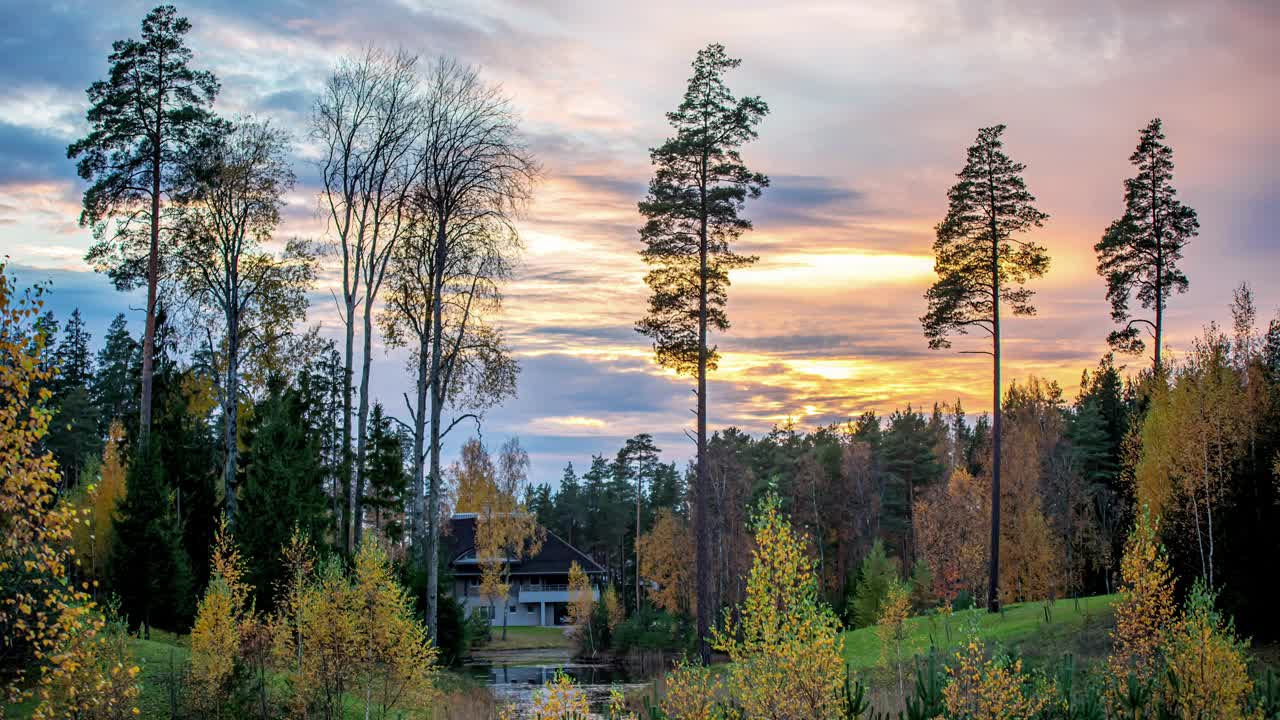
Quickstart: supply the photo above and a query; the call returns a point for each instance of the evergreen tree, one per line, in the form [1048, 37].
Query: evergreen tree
[980, 263]
[910, 465]
[150, 569]
[73, 434]
[1138, 254]
[140, 121]
[75, 363]
[570, 515]
[668, 489]
[188, 447]
[877, 572]
[386, 482]
[539, 501]
[692, 214]
[115, 386]
[282, 482]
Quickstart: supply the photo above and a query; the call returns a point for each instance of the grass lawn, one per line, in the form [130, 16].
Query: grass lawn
[526, 638]
[166, 652]
[1020, 630]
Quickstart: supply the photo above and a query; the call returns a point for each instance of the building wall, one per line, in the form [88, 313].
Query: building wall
[548, 606]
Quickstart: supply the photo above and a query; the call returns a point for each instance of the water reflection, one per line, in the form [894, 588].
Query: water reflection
[514, 676]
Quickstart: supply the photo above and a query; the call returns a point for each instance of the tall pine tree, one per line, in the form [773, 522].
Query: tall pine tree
[1138, 254]
[981, 263]
[140, 119]
[692, 214]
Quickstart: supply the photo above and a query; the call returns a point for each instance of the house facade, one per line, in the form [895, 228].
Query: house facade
[539, 584]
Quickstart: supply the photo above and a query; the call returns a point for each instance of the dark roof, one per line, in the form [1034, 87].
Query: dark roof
[553, 559]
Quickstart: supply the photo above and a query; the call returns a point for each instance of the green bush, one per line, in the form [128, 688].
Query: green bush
[878, 569]
[653, 629]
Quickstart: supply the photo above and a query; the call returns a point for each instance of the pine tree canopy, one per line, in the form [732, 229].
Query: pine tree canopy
[143, 116]
[1139, 252]
[977, 249]
[699, 187]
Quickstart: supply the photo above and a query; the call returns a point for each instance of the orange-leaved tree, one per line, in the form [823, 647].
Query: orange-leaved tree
[1208, 674]
[396, 659]
[95, 535]
[785, 645]
[664, 561]
[582, 605]
[506, 531]
[215, 636]
[1145, 611]
[986, 688]
[58, 649]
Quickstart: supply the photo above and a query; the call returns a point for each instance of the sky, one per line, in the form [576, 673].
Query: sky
[872, 108]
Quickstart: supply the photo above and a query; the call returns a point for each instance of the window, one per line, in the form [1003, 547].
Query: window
[514, 609]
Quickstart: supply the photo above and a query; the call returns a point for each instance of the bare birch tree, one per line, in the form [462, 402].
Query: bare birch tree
[477, 367]
[367, 122]
[476, 169]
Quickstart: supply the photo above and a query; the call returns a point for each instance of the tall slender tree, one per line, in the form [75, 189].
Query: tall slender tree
[693, 213]
[366, 121]
[73, 434]
[237, 177]
[115, 386]
[475, 170]
[980, 264]
[477, 366]
[638, 458]
[1138, 254]
[141, 119]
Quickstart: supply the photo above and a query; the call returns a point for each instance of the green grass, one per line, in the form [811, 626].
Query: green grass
[527, 638]
[1021, 629]
[166, 652]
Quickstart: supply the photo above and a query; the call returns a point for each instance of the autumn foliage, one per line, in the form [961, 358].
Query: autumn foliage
[58, 649]
[785, 646]
[1145, 611]
[94, 534]
[664, 560]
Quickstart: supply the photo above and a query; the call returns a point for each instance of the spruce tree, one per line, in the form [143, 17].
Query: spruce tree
[1138, 254]
[692, 214]
[282, 482]
[569, 515]
[981, 263]
[73, 434]
[115, 385]
[150, 569]
[386, 482]
[141, 118]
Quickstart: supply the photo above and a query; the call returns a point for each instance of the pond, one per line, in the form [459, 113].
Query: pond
[513, 676]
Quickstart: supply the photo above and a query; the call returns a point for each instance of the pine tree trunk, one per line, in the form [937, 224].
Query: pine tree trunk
[993, 582]
[703, 551]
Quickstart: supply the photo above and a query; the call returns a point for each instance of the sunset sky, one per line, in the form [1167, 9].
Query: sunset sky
[872, 107]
